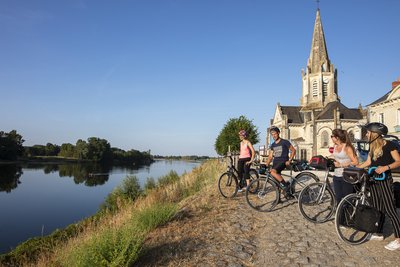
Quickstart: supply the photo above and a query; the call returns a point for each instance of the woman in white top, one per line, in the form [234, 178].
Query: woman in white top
[344, 155]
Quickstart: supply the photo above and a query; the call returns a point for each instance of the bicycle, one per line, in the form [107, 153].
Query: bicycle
[347, 217]
[264, 193]
[229, 183]
[317, 201]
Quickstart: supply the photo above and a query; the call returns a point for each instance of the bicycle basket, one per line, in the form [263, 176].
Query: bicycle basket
[352, 175]
[319, 162]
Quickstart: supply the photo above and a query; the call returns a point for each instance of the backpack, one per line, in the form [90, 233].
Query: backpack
[319, 162]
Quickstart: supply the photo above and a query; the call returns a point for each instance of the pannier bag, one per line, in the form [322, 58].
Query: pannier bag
[396, 189]
[368, 219]
[352, 175]
[319, 162]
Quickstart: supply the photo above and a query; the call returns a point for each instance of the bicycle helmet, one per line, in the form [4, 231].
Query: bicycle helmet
[376, 127]
[243, 133]
[274, 129]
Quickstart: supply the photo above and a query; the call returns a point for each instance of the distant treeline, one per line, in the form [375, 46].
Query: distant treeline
[182, 157]
[94, 149]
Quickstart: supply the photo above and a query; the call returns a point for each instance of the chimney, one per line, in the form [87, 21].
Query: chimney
[395, 83]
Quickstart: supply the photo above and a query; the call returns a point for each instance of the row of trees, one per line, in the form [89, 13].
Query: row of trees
[94, 149]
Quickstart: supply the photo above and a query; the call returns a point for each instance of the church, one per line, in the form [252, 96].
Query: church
[309, 126]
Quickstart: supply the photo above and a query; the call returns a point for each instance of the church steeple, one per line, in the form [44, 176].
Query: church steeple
[319, 54]
[320, 77]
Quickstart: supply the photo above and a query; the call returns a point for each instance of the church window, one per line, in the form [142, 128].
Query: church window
[324, 139]
[315, 89]
[325, 88]
[351, 137]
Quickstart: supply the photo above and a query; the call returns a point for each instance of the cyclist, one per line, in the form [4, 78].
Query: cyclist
[246, 157]
[279, 155]
[344, 155]
[383, 155]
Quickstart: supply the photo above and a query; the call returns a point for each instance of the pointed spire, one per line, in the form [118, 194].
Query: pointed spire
[318, 60]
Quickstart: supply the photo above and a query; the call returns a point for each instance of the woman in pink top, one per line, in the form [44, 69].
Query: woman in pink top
[246, 157]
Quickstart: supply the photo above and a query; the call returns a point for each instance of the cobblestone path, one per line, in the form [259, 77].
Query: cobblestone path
[213, 231]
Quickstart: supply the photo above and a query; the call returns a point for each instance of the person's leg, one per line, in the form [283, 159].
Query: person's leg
[240, 168]
[246, 174]
[337, 187]
[376, 198]
[389, 206]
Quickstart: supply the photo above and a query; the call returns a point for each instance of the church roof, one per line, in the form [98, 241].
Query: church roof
[293, 114]
[319, 53]
[345, 113]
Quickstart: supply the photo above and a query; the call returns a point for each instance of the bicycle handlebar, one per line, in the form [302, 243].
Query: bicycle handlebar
[379, 177]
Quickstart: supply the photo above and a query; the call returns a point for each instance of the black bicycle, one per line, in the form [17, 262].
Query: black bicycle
[354, 215]
[229, 183]
[317, 201]
[264, 193]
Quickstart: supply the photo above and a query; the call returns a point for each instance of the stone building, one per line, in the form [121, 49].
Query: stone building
[310, 125]
[386, 109]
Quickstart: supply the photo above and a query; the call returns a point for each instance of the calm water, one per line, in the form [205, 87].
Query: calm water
[37, 199]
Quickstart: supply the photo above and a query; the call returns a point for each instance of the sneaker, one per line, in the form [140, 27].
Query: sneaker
[376, 237]
[395, 244]
[240, 190]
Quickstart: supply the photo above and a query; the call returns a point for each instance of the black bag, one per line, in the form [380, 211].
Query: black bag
[368, 219]
[396, 190]
[352, 175]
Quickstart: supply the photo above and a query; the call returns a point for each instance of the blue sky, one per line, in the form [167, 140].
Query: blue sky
[166, 75]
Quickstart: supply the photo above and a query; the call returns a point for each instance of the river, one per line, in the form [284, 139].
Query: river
[37, 199]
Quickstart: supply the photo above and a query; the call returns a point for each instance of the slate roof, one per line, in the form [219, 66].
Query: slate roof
[381, 99]
[293, 114]
[345, 112]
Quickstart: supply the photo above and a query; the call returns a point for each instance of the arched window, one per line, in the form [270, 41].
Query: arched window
[351, 137]
[315, 89]
[324, 139]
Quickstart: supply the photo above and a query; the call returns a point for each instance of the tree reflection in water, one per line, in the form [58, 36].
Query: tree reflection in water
[9, 177]
[87, 174]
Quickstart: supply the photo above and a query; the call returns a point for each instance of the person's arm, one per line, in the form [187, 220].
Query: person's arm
[270, 156]
[396, 157]
[292, 154]
[352, 156]
[252, 152]
[365, 163]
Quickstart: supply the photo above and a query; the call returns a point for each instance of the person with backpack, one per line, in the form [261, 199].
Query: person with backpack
[384, 156]
[246, 157]
[345, 156]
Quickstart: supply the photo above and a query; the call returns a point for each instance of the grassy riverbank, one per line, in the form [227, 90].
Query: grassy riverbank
[115, 236]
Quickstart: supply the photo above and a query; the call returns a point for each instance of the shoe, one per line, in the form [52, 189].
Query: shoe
[376, 237]
[240, 190]
[393, 245]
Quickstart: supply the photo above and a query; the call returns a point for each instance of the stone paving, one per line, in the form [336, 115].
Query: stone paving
[213, 231]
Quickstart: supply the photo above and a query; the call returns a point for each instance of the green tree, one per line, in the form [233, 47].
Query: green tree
[228, 137]
[99, 149]
[67, 150]
[11, 145]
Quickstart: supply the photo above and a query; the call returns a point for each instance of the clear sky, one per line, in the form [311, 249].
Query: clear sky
[166, 75]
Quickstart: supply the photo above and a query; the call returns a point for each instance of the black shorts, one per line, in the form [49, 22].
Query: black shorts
[278, 166]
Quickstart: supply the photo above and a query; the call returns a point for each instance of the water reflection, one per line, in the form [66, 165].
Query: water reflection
[9, 177]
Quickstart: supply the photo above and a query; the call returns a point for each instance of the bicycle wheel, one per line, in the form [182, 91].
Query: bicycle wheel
[228, 185]
[253, 176]
[317, 204]
[344, 220]
[262, 195]
[300, 181]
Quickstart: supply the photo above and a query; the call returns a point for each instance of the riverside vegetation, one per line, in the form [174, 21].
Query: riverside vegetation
[115, 236]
